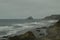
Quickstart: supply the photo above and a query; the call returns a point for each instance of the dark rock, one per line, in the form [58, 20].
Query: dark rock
[30, 18]
[5, 37]
[26, 36]
[53, 32]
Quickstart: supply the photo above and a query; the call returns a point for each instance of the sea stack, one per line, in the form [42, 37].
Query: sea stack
[30, 18]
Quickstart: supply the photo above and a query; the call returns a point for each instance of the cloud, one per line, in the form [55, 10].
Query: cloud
[25, 8]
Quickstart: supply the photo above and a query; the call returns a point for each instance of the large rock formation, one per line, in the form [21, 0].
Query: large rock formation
[27, 36]
[53, 32]
[30, 18]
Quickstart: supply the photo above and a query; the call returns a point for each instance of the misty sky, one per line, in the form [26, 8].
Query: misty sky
[25, 8]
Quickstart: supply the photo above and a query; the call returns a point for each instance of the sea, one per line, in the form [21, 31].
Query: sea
[9, 27]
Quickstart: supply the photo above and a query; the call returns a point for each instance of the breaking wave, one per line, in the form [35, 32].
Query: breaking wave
[21, 28]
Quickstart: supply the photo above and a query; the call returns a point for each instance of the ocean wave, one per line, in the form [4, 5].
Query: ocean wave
[15, 28]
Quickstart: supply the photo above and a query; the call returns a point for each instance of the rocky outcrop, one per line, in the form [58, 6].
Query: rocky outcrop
[27, 36]
[54, 17]
[30, 18]
[53, 32]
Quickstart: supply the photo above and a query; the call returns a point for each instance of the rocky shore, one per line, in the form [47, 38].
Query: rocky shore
[27, 36]
[53, 34]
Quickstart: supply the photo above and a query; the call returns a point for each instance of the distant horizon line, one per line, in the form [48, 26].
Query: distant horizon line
[29, 16]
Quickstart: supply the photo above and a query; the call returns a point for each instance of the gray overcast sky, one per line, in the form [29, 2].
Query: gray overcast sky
[25, 8]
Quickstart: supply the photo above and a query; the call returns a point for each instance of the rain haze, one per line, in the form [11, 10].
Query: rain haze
[16, 9]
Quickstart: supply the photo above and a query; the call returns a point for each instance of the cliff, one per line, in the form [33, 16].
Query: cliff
[53, 32]
[53, 17]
